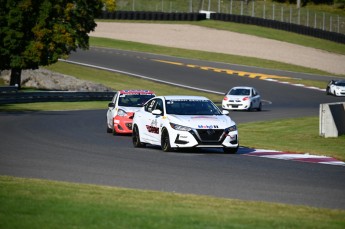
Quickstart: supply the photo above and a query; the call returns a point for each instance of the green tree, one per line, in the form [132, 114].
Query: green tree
[36, 33]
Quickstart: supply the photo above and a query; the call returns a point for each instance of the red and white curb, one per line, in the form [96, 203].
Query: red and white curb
[297, 85]
[294, 157]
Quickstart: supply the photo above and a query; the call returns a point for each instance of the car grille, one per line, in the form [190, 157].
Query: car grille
[210, 135]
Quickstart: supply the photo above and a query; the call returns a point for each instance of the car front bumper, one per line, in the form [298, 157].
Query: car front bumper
[236, 106]
[207, 138]
[123, 125]
[340, 92]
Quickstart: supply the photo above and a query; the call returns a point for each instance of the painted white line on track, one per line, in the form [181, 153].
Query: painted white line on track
[149, 78]
[142, 76]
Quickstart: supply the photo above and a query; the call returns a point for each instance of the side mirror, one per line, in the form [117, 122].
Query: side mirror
[157, 112]
[111, 105]
[225, 112]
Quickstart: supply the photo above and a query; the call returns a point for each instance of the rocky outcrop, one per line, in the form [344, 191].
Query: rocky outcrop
[47, 80]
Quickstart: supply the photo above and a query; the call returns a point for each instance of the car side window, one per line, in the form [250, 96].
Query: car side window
[159, 105]
[149, 107]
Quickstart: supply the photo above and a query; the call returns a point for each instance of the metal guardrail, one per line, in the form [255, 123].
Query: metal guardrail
[53, 96]
[6, 89]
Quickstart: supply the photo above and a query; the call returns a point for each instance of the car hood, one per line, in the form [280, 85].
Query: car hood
[202, 122]
[237, 97]
[130, 109]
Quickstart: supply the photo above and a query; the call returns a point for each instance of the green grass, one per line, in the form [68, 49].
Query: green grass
[33, 203]
[299, 135]
[120, 81]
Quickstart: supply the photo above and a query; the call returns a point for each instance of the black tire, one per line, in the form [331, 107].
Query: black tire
[109, 130]
[165, 141]
[260, 107]
[229, 150]
[250, 107]
[136, 138]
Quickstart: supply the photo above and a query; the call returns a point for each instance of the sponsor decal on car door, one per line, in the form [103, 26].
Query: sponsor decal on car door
[155, 122]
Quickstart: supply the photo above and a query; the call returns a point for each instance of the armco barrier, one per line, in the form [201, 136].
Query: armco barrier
[54, 96]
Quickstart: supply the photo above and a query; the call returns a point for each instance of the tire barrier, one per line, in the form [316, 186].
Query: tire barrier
[156, 16]
[163, 16]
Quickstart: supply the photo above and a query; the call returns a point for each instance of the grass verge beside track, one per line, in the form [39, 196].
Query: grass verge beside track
[33, 203]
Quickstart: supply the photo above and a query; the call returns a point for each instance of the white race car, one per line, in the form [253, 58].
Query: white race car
[122, 107]
[174, 122]
[336, 87]
[242, 98]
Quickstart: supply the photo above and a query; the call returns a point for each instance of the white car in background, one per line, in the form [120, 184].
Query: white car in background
[242, 98]
[122, 107]
[174, 122]
[336, 87]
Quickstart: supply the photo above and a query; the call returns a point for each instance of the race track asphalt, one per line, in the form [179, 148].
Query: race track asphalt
[74, 146]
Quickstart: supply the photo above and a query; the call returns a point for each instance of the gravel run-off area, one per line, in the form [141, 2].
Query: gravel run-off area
[212, 40]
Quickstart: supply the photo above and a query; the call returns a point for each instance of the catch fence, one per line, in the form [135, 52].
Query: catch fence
[259, 9]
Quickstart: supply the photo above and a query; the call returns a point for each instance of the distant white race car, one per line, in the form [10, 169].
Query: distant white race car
[174, 122]
[336, 87]
[242, 98]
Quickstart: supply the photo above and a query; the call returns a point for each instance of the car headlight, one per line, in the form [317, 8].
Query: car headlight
[121, 113]
[231, 128]
[179, 127]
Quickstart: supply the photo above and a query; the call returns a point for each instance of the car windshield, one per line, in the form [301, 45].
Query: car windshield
[191, 107]
[340, 83]
[239, 91]
[134, 100]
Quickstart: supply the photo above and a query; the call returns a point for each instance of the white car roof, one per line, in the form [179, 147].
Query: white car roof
[136, 92]
[182, 97]
[243, 87]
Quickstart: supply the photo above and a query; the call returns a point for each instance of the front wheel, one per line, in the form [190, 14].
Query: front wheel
[260, 107]
[136, 138]
[250, 107]
[109, 130]
[165, 141]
